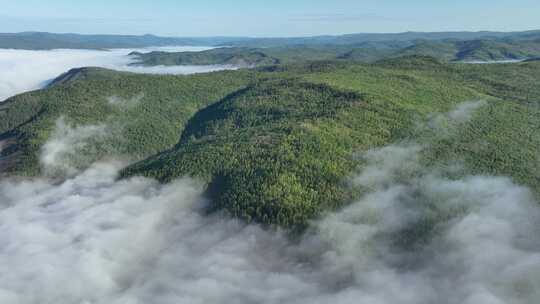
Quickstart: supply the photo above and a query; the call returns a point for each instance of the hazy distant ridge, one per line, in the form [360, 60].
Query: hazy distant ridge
[43, 40]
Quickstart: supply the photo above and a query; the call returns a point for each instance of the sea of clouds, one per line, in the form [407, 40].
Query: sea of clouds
[415, 237]
[24, 70]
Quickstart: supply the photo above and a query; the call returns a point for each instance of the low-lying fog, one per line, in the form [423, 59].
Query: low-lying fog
[23, 70]
[416, 237]
[424, 240]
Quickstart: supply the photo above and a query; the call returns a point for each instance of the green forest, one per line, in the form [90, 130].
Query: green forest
[483, 50]
[277, 144]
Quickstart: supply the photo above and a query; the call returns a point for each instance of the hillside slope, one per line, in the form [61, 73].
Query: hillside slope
[144, 114]
[277, 145]
[449, 51]
[272, 154]
[226, 56]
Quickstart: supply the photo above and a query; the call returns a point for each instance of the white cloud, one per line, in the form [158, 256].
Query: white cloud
[419, 237]
[415, 237]
[125, 103]
[23, 70]
[68, 145]
[441, 125]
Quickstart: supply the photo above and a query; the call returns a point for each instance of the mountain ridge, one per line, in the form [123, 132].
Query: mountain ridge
[276, 145]
[46, 40]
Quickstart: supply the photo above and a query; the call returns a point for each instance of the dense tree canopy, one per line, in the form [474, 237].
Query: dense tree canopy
[277, 144]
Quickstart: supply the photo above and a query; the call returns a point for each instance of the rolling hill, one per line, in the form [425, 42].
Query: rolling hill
[451, 51]
[277, 145]
[46, 41]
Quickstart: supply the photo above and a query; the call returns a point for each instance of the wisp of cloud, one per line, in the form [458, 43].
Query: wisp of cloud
[68, 147]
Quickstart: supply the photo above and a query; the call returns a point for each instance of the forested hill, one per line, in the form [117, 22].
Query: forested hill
[452, 51]
[277, 145]
[243, 57]
[371, 38]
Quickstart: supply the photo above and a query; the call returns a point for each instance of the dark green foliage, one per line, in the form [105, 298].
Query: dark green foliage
[277, 144]
[487, 50]
[243, 57]
[443, 45]
[278, 139]
[469, 50]
[147, 112]
[503, 138]
[443, 50]
[297, 54]
[513, 81]
[366, 54]
[228, 56]
[280, 151]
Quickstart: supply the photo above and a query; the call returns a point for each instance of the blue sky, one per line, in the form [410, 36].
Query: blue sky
[266, 18]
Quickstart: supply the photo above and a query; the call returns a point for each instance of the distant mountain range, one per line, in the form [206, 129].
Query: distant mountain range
[45, 41]
[448, 50]
[367, 39]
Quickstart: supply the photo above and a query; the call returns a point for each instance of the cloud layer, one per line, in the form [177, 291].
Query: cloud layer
[21, 70]
[415, 237]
